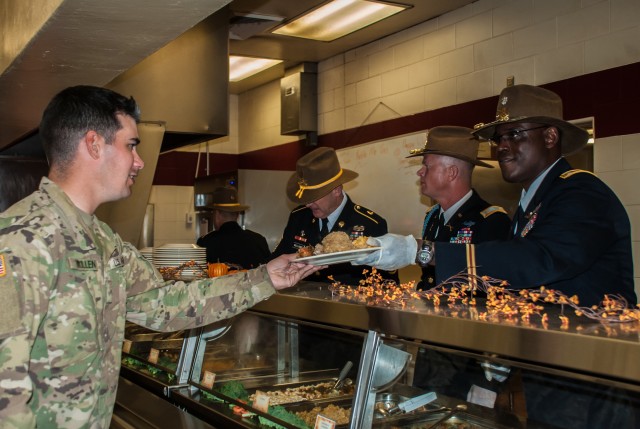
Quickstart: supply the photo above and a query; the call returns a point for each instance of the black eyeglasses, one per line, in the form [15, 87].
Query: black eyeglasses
[513, 136]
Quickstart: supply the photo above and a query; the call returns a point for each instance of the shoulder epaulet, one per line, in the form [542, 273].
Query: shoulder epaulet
[570, 173]
[491, 210]
[366, 213]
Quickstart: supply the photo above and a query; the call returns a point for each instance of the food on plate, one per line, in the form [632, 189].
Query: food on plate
[305, 251]
[337, 241]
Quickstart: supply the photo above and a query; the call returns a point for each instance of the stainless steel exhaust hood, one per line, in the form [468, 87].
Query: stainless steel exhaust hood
[185, 84]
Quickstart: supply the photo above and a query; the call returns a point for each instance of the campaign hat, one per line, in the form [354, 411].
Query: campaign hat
[453, 141]
[527, 103]
[317, 173]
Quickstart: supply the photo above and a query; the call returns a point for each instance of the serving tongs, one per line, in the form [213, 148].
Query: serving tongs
[412, 404]
[343, 374]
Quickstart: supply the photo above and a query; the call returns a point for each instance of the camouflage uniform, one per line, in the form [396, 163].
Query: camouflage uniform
[67, 283]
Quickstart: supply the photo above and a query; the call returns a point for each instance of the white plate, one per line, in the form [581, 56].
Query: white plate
[337, 257]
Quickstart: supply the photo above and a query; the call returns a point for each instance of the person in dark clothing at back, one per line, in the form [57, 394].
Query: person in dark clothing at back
[228, 242]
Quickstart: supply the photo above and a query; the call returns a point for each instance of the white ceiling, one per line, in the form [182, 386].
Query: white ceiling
[93, 42]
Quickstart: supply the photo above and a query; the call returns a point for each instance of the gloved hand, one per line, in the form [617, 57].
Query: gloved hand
[396, 251]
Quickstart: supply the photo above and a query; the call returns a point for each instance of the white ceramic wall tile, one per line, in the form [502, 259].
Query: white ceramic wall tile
[165, 212]
[624, 14]
[485, 5]
[380, 62]
[395, 81]
[456, 63]
[424, 72]
[368, 89]
[496, 51]
[521, 70]
[583, 24]
[356, 115]
[330, 63]
[535, 39]
[613, 50]
[326, 102]
[631, 152]
[409, 52]
[474, 86]
[635, 248]
[371, 48]
[406, 103]
[419, 30]
[511, 16]
[634, 217]
[624, 183]
[439, 42]
[607, 154]
[440, 94]
[587, 3]
[331, 79]
[355, 71]
[560, 64]
[333, 121]
[338, 97]
[475, 29]
[455, 16]
[545, 9]
[350, 95]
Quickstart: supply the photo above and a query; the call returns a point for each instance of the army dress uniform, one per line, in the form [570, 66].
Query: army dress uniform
[474, 222]
[68, 282]
[303, 229]
[575, 238]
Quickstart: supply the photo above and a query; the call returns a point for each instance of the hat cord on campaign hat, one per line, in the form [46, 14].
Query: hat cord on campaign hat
[302, 186]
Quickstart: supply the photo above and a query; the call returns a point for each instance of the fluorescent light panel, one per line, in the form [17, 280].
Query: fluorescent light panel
[338, 18]
[243, 67]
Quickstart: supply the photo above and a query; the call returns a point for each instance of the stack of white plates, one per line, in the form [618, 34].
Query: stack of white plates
[147, 252]
[175, 255]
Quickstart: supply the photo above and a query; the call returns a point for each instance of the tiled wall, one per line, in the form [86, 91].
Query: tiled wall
[171, 205]
[617, 162]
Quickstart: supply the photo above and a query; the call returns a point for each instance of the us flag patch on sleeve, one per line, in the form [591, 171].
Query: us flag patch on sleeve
[3, 269]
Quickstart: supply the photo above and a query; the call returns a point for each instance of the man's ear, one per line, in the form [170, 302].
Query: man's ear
[551, 137]
[91, 142]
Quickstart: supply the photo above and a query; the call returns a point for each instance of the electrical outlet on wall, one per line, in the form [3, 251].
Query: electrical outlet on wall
[189, 218]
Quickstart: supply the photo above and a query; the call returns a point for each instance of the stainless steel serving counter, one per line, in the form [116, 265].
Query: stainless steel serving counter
[587, 349]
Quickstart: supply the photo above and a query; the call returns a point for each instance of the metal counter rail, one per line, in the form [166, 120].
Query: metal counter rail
[611, 351]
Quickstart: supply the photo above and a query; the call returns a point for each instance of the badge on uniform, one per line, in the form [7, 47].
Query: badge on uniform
[532, 216]
[357, 231]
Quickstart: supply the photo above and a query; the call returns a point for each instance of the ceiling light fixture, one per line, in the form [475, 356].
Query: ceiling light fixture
[243, 67]
[338, 18]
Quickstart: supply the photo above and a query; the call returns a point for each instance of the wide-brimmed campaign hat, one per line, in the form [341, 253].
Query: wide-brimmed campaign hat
[225, 198]
[449, 140]
[317, 173]
[527, 103]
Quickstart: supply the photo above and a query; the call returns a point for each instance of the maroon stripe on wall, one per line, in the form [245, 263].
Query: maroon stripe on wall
[610, 96]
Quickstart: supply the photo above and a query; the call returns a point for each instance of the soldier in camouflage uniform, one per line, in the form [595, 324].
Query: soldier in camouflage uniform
[68, 282]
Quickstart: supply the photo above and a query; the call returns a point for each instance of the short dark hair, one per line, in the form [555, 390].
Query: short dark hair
[76, 110]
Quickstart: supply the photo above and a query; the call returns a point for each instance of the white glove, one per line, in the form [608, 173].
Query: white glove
[396, 251]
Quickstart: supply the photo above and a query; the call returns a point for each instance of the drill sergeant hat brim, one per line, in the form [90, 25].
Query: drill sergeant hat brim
[226, 199]
[317, 174]
[526, 103]
[456, 142]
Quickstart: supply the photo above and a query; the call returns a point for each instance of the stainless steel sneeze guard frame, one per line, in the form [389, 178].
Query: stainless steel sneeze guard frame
[611, 351]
